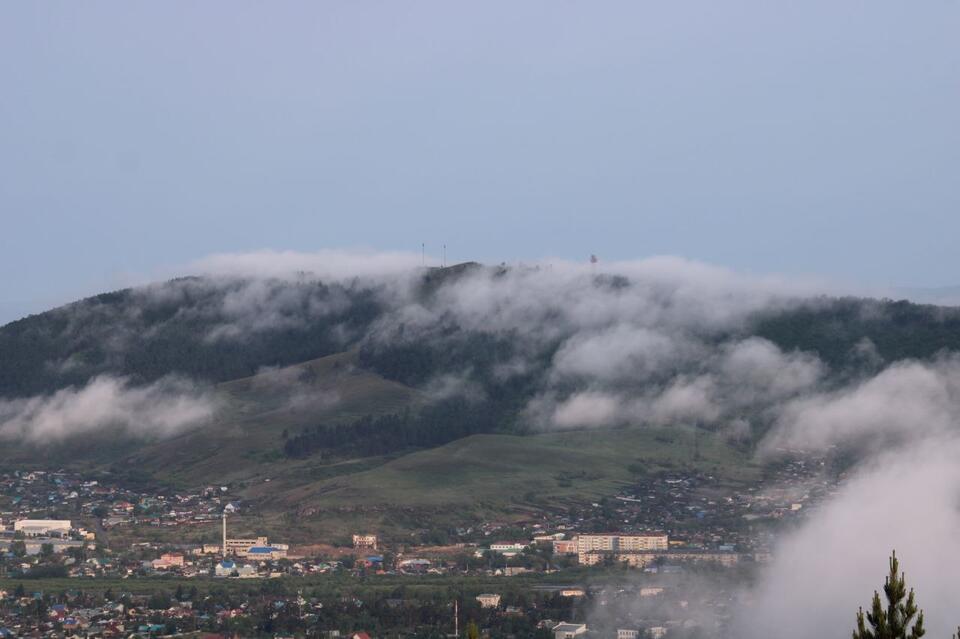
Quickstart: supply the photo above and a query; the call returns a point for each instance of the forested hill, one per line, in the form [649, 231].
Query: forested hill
[505, 346]
[833, 328]
[191, 327]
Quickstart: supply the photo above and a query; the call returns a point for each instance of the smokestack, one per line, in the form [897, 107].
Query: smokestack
[224, 534]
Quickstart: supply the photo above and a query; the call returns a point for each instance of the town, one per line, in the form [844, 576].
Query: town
[667, 529]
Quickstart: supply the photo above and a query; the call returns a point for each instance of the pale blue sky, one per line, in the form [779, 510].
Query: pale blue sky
[815, 137]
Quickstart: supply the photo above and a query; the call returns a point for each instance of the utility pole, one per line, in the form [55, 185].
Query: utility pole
[456, 618]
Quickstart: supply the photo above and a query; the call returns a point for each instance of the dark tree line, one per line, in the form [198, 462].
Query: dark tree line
[833, 329]
[434, 425]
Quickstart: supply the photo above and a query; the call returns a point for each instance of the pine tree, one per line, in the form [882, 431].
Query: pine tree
[894, 621]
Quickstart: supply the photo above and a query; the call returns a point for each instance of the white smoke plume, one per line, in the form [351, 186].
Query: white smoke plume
[163, 408]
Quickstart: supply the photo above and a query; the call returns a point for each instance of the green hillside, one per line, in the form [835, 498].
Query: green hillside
[496, 476]
[243, 443]
[388, 404]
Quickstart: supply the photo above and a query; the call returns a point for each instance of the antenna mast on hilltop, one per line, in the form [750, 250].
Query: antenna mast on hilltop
[423, 254]
[444, 264]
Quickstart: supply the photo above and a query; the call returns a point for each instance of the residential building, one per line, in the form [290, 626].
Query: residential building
[488, 600]
[591, 549]
[168, 560]
[569, 630]
[642, 559]
[565, 547]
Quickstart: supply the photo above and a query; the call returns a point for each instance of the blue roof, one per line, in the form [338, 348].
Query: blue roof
[226, 563]
[261, 550]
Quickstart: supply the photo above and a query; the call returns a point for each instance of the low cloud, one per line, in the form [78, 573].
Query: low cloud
[907, 401]
[590, 408]
[166, 407]
[905, 500]
[329, 264]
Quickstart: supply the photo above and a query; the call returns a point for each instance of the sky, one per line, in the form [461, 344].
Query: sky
[816, 139]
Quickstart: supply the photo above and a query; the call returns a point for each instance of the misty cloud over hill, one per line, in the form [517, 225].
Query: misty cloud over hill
[771, 364]
[657, 341]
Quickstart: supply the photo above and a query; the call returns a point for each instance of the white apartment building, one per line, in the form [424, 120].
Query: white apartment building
[43, 527]
[590, 546]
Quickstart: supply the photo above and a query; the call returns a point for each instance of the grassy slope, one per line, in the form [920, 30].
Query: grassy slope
[244, 443]
[499, 476]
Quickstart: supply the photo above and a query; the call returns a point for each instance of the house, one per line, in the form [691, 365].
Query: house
[565, 547]
[549, 539]
[359, 635]
[372, 561]
[657, 632]
[415, 565]
[225, 568]
[168, 560]
[488, 600]
[565, 630]
[246, 571]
